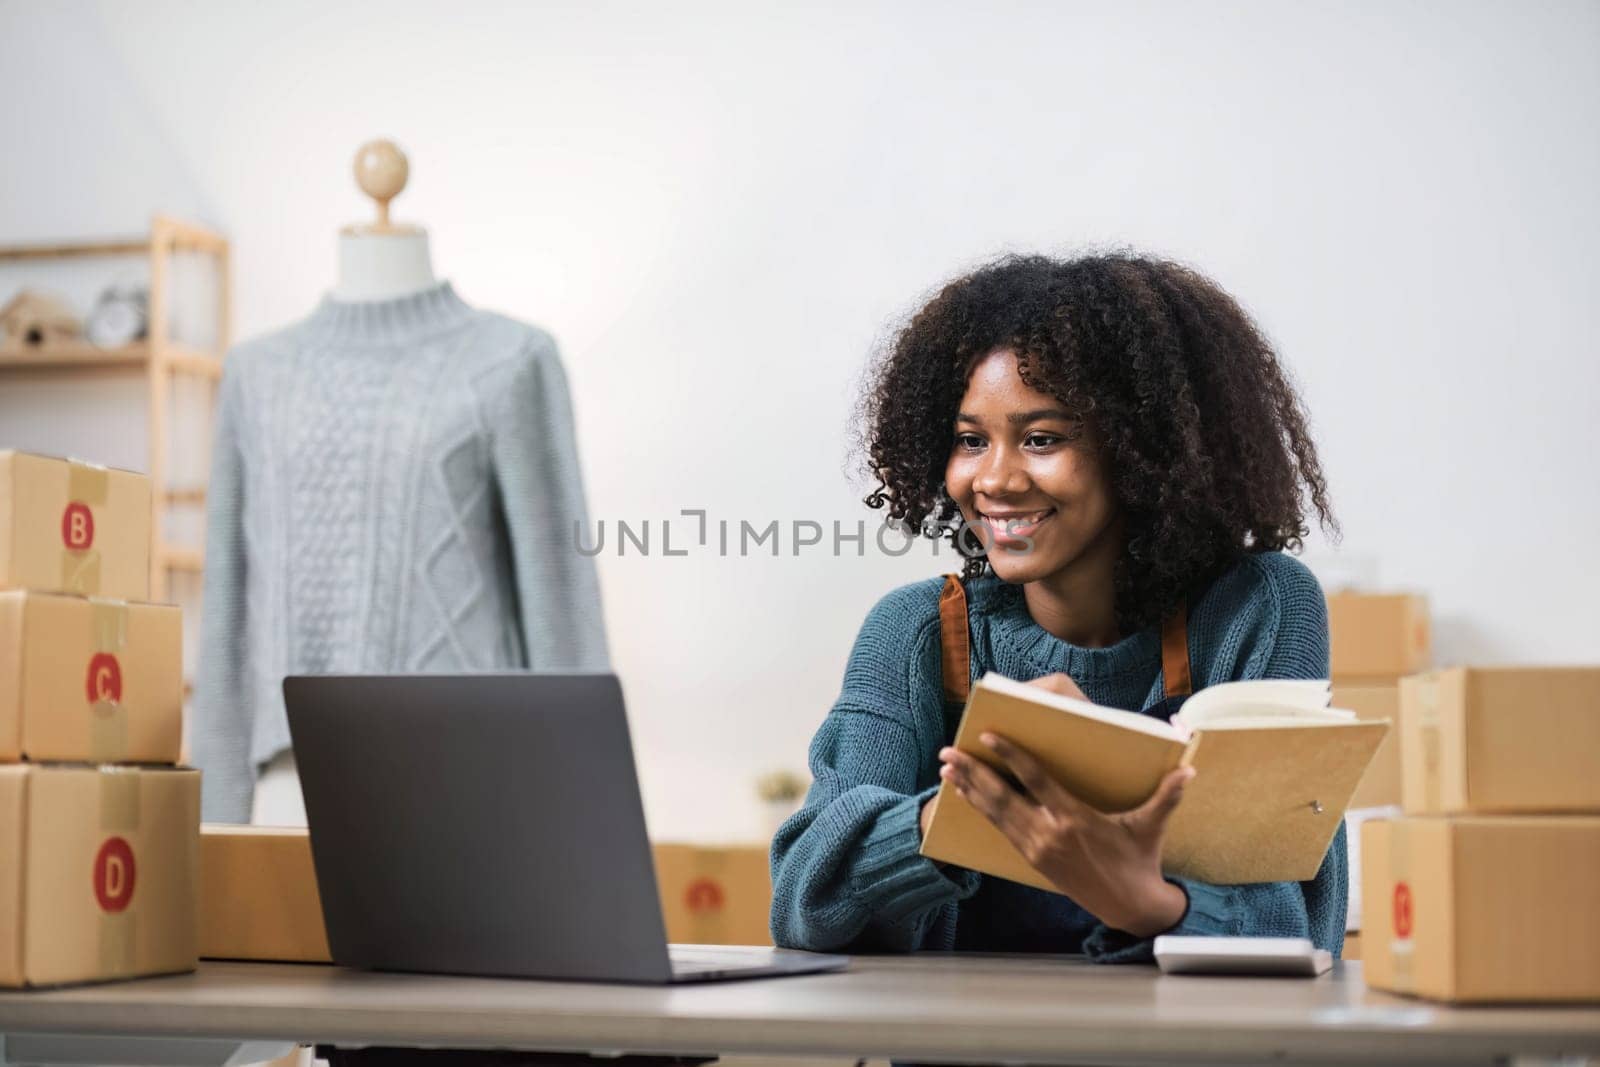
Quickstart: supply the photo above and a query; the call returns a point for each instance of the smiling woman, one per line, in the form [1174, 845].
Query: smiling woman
[1112, 444]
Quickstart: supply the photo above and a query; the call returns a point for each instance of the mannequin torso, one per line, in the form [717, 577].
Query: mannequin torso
[382, 266]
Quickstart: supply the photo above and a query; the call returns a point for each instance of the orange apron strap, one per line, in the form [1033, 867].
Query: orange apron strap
[953, 639]
[1175, 653]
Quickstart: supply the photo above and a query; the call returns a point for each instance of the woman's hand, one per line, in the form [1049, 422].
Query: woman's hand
[1110, 864]
[1060, 684]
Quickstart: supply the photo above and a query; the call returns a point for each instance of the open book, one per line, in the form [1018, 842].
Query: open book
[1275, 770]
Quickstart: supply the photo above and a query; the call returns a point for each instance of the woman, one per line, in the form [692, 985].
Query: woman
[1112, 443]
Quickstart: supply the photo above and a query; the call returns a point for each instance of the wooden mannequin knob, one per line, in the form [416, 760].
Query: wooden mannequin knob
[381, 172]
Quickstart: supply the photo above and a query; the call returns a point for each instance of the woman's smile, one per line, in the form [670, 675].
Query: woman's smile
[1014, 527]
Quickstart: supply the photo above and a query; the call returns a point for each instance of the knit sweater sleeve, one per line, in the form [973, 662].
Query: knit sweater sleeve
[1272, 622]
[535, 457]
[846, 872]
[220, 728]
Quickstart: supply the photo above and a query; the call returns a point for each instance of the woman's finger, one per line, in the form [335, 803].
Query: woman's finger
[1033, 776]
[1152, 815]
[992, 795]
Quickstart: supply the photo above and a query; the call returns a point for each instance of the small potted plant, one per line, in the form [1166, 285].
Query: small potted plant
[781, 793]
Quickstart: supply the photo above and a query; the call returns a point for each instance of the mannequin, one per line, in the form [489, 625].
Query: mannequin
[395, 489]
[382, 260]
[379, 260]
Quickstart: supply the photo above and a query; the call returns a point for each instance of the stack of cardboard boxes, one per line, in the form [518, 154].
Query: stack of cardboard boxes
[1485, 889]
[97, 827]
[1375, 640]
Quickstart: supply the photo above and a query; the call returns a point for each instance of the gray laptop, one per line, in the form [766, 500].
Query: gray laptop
[490, 825]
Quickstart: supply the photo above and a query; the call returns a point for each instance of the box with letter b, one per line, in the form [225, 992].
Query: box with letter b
[69, 527]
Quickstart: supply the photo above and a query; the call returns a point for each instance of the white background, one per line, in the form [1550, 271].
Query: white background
[719, 210]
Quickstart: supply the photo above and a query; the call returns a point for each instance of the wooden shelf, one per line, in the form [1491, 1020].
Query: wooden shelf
[73, 357]
[165, 232]
[192, 361]
[78, 249]
[194, 496]
[191, 560]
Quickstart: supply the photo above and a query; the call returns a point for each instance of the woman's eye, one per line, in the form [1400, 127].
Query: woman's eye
[971, 442]
[1042, 440]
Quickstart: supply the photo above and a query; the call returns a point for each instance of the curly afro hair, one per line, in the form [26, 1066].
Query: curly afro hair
[1201, 435]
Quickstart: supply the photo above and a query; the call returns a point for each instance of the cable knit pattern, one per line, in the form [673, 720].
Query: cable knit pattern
[845, 870]
[395, 487]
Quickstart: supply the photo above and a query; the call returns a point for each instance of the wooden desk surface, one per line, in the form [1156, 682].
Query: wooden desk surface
[925, 1007]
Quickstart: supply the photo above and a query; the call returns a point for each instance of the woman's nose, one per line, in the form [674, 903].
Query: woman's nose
[1001, 474]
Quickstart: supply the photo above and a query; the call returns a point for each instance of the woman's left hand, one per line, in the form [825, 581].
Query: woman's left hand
[1109, 863]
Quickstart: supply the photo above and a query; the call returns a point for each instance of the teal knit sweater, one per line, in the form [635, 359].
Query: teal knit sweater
[846, 873]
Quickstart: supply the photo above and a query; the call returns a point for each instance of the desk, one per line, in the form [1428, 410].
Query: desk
[974, 1008]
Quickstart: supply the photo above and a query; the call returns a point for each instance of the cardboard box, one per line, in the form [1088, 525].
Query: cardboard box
[1483, 908]
[1353, 822]
[1501, 740]
[1377, 637]
[98, 867]
[258, 895]
[91, 680]
[715, 896]
[68, 527]
[1352, 947]
[1380, 785]
[259, 899]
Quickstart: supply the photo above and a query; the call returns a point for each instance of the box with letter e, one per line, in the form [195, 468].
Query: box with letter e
[1483, 908]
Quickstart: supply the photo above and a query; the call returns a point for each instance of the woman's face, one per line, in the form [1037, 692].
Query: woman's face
[1027, 478]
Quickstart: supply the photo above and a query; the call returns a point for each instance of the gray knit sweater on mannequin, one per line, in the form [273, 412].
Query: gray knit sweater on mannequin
[395, 488]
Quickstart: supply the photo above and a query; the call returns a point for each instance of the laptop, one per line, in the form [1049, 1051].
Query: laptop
[490, 825]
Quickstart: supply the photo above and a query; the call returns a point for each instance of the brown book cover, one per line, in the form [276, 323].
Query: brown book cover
[1268, 795]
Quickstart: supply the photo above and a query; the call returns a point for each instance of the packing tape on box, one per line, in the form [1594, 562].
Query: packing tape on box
[87, 483]
[1402, 908]
[108, 718]
[120, 799]
[80, 571]
[1427, 691]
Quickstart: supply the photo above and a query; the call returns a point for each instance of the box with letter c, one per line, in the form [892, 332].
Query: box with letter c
[89, 680]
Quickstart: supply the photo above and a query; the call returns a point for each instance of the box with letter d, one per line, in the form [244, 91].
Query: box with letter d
[98, 867]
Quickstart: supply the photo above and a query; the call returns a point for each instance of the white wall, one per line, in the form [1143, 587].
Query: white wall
[718, 208]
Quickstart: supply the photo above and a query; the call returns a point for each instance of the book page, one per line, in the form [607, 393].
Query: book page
[1264, 702]
[1130, 720]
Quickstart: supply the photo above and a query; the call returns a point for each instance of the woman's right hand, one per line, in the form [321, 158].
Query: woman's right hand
[927, 814]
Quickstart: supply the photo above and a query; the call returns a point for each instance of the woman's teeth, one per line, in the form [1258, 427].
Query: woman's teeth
[1015, 528]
